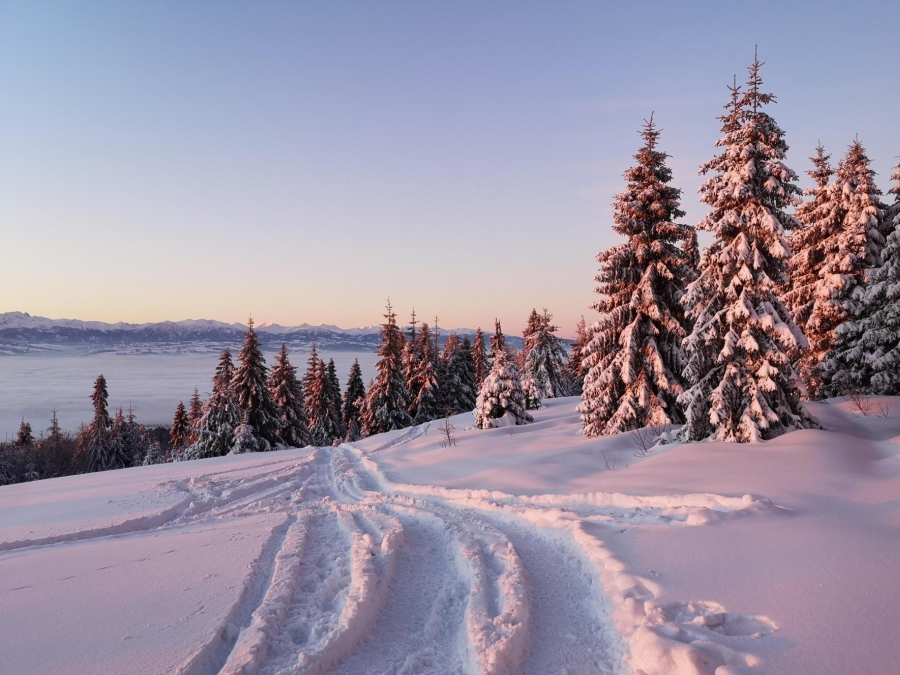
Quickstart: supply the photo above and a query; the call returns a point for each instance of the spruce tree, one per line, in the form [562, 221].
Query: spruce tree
[25, 437]
[545, 359]
[386, 403]
[866, 352]
[479, 358]
[245, 438]
[633, 361]
[458, 383]
[195, 413]
[575, 367]
[743, 387]
[413, 355]
[893, 212]
[121, 446]
[97, 440]
[501, 392]
[839, 240]
[287, 395]
[354, 395]
[133, 444]
[252, 393]
[425, 404]
[333, 401]
[316, 401]
[221, 415]
[180, 433]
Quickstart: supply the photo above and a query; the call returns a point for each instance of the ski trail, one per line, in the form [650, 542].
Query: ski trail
[420, 629]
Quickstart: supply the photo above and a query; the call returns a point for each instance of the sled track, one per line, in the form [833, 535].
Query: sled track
[365, 576]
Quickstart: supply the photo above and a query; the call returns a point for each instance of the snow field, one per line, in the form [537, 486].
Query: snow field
[331, 560]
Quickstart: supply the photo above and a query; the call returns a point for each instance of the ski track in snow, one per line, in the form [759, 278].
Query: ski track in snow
[367, 576]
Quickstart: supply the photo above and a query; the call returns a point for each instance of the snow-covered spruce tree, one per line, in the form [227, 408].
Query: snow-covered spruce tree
[633, 361]
[575, 367]
[412, 362]
[333, 399]
[531, 391]
[195, 413]
[501, 392]
[545, 359]
[180, 433]
[133, 443]
[25, 436]
[252, 393]
[743, 387]
[354, 395]
[479, 358]
[316, 401]
[386, 403]
[459, 375]
[97, 440]
[425, 406]
[893, 212]
[866, 352]
[691, 251]
[125, 440]
[245, 438]
[819, 220]
[831, 253]
[287, 395]
[221, 415]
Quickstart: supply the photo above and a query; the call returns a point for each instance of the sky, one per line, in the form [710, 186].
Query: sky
[304, 161]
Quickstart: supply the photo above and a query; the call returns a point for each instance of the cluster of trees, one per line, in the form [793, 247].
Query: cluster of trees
[108, 442]
[780, 307]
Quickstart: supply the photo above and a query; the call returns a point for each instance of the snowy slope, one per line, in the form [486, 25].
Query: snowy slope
[514, 551]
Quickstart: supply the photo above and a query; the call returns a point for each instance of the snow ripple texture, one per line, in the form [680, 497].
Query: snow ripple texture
[368, 576]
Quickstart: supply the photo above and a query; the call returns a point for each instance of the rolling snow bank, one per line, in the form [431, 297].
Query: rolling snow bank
[526, 549]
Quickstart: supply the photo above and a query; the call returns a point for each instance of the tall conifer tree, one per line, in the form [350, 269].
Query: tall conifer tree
[252, 393]
[98, 439]
[479, 358]
[575, 366]
[743, 385]
[180, 432]
[386, 403]
[633, 361]
[221, 415]
[545, 359]
[287, 395]
[354, 395]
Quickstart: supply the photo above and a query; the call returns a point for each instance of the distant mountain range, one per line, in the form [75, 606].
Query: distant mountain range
[21, 333]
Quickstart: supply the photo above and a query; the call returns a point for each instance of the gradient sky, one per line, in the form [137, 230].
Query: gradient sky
[304, 160]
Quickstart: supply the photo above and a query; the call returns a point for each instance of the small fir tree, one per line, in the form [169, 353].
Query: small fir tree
[743, 387]
[479, 358]
[333, 397]
[97, 435]
[386, 403]
[633, 361]
[180, 432]
[195, 413]
[245, 438]
[354, 395]
[501, 392]
[545, 359]
[287, 395]
[25, 437]
[252, 393]
[575, 367]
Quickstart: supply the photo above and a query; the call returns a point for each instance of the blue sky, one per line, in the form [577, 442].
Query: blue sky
[304, 160]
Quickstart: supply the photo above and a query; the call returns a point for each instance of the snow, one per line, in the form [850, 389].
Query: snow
[513, 551]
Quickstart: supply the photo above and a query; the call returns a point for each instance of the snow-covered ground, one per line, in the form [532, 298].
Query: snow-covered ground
[31, 385]
[514, 551]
